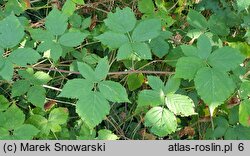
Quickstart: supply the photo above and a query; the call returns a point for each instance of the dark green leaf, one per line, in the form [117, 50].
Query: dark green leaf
[172, 85]
[187, 67]
[225, 59]
[197, 20]
[204, 47]
[122, 21]
[24, 56]
[134, 51]
[102, 69]
[112, 39]
[7, 70]
[213, 86]
[86, 71]
[4, 103]
[20, 88]
[36, 95]
[146, 30]
[146, 6]
[11, 32]
[72, 39]
[56, 22]
[159, 47]
[76, 88]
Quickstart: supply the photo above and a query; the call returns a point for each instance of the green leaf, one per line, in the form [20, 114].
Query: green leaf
[40, 123]
[25, 132]
[243, 47]
[92, 108]
[20, 88]
[146, 30]
[56, 22]
[245, 90]
[51, 49]
[225, 59]
[122, 21]
[7, 70]
[12, 118]
[86, 71]
[135, 81]
[218, 26]
[24, 56]
[113, 91]
[233, 115]
[221, 126]
[102, 69]
[11, 32]
[204, 47]
[172, 85]
[146, 6]
[187, 67]
[213, 86]
[86, 23]
[4, 103]
[244, 113]
[69, 7]
[4, 133]
[80, 2]
[57, 117]
[86, 133]
[76, 88]
[180, 104]
[134, 51]
[173, 56]
[40, 78]
[72, 39]
[150, 98]
[197, 20]
[36, 96]
[238, 132]
[113, 39]
[26, 74]
[75, 21]
[41, 35]
[189, 50]
[105, 134]
[155, 83]
[242, 5]
[159, 46]
[125, 52]
[16, 7]
[161, 121]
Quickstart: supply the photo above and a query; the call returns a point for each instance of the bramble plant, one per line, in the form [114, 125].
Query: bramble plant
[145, 70]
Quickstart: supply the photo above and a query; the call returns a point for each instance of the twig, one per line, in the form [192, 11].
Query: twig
[246, 75]
[173, 6]
[110, 73]
[63, 102]
[53, 88]
[140, 71]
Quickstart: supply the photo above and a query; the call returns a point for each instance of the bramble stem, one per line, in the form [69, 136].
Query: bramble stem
[110, 73]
